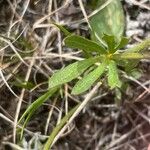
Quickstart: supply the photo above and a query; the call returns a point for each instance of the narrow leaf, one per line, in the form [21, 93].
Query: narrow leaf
[25, 123]
[141, 46]
[86, 82]
[84, 44]
[124, 41]
[113, 79]
[56, 130]
[110, 41]
[71, 72]
[23, 84]
[130, 65]
[66, 32]
[37, 103]
[128, 55]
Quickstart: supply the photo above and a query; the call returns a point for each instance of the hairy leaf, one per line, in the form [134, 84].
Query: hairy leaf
[75, 41]
[113, 79]
[86, 82]
[130, 65]
[141, 46]
[128, 55]
[71, 72]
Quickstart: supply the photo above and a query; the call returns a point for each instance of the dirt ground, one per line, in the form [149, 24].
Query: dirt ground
[102, 125]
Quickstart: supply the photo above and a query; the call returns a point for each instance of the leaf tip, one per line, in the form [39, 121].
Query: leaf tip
[74, 92]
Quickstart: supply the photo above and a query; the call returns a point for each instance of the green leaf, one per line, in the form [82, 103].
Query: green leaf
[66, 32]
[56, 130]
[128, 55]
[124, 41]
[71, 72]
[75, 41]
[86, 82]
[25, 123]
[130, 65]
[110, 40]
[23, 84]
[113, 79]
[37, 103]
[109, 20]
[139, 47]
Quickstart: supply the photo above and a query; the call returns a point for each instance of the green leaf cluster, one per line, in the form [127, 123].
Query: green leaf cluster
[107, 56]
[102, 62]
[103, 59]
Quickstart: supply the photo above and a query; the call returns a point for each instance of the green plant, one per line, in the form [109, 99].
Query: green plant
[108, 57]
[34, 106]
[103, 58]
[102, 62]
